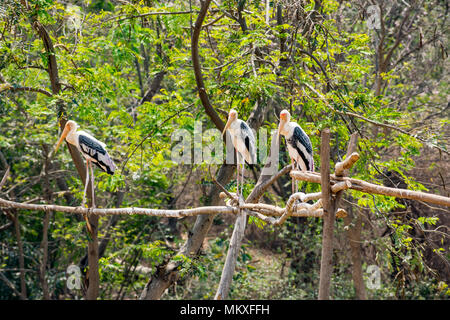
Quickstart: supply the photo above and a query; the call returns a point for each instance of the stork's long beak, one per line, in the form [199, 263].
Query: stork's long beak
[227, 125]
[63, 135]
[280, 127]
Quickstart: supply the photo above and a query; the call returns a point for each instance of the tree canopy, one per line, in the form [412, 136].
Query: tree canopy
[129, 72]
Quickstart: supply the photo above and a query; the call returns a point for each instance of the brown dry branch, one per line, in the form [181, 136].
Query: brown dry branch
[5, 176]
[7, 86]
[119, 211]
[121, 18]
[372, 188]
[346, 164]
[296, 210]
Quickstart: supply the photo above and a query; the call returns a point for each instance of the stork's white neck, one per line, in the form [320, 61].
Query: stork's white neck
[288, 129]
[235, 125]
[72, 136]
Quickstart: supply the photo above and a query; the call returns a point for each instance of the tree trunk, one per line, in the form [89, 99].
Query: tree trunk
[354, 234]
[45, 225]
[53, 73]
[44, 247]
[326, 264]
[354, 240]
[23, 286]
[93, 274]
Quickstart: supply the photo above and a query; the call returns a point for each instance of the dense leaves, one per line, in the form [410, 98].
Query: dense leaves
[126, 76]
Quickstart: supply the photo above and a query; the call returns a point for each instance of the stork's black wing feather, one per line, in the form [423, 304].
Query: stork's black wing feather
[244, 126]
[249, 140]
[247, 143]
[302, 138]
[90, 147]
[97, 152]
[245, 130]
[299, 139]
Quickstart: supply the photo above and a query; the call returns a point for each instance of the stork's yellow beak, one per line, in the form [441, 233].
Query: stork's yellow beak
[227, 126]
[280, 128]
[63, 135]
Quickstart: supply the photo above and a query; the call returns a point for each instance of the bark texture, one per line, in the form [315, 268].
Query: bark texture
[326, 263]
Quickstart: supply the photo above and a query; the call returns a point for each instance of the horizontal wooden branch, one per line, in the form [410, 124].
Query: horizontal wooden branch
[367, 187]
[309, 176]
[261, 210]
[371, 188]
[119, 211]
[311, 196]
[342, 185]
[302, 213]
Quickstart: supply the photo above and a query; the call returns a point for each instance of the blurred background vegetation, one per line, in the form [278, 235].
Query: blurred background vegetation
[126, 76]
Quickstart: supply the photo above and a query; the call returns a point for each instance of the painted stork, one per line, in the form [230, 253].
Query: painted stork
[92, 150]
[298, 143]
[243, 141]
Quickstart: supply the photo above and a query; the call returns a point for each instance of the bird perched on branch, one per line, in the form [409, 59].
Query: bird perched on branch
[298, 143]
[93, 151]
[243, 141]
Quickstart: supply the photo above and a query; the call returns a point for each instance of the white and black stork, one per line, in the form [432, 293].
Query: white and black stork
[243, 141]
[298, 143]
[92, 150]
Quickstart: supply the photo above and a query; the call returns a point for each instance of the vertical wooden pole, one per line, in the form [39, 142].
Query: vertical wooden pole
[232, 255]
[93, 272]
[326, 264]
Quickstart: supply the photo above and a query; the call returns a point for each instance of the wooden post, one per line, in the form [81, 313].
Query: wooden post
[326, 265]
[232, 255]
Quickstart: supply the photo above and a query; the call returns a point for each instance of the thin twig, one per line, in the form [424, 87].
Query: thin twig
[221, 187]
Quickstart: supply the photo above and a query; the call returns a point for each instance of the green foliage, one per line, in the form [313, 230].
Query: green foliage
[108, 55]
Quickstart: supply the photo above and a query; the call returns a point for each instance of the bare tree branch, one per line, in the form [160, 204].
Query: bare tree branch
[209, 109]
[368, 187]
[11, 88]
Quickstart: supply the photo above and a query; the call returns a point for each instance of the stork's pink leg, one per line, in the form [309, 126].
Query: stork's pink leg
[242, 177]
[293, 180]
[86, 183]
[92, 185]
[237, 176]
[241, 184]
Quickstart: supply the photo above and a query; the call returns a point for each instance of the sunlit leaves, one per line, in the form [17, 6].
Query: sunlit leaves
[108, 55]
